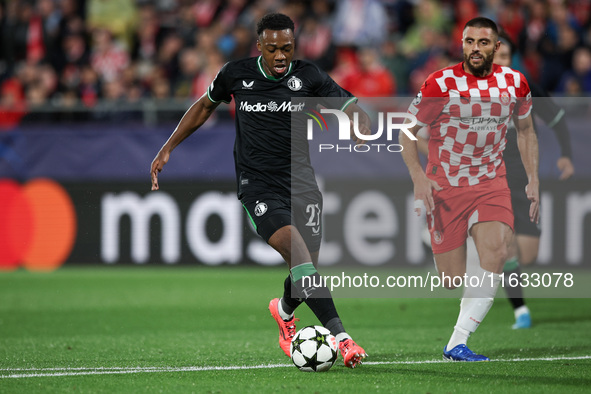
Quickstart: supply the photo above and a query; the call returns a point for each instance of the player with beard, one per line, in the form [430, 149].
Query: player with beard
[467, 108]
[276, 184]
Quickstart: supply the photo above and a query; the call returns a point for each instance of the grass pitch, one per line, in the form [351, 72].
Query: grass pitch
[201, 329]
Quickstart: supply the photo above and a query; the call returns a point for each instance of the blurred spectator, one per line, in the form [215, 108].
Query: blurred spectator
[118, 17]
[71, 21]
[578, 81]
[437, 61]
[511, 18]
[212, 63]
[185, 25]
[23, 33]
[314, 43]
[464, 10]
[230, 12]
[168, 52]
[89, 86]
[190, 64]
[12, 104]
[73, 55]
[531, 35]
[346, 65]
[147, 38]
[360, 23]
[244, 43]
[204, 12]
[557, 45]
[173, 48]
[107, 58]
[372, 79]
[397, 64]
[430, 22]
[161, 88]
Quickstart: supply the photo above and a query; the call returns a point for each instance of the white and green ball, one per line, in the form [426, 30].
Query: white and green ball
[314, 349]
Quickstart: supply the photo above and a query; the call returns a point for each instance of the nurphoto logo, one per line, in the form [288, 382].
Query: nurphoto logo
[387, 123]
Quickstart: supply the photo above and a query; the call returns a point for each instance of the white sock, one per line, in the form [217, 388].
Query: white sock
[522, 310]
[284, 316]
[458, 337]
[342, 336]
[475, 304]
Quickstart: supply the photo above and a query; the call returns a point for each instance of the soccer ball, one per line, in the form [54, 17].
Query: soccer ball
[314, 349]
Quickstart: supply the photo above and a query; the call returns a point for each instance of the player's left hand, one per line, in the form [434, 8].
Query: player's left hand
[532, 190]
[157, 164]
[566, 167]
[363, 130]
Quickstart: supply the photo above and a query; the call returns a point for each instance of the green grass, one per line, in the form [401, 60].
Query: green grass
[202, 317]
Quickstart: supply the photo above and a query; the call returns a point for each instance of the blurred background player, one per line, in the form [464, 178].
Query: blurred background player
[463, 189]
[284, 204]
[524, 249]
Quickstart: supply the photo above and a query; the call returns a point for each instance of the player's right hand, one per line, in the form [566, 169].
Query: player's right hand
[566, 167]
[423, 190]
[157, 164]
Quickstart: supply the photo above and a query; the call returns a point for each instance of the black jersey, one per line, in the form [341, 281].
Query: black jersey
[553, 116]
[263, 151]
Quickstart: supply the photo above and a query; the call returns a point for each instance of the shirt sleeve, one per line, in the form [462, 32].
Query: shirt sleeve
[327, 87]
[219, 90]
[524, 100]
[428, 104]
[554, 116]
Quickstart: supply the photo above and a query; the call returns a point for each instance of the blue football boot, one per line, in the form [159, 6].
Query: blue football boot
[462, 353]
[522, 321]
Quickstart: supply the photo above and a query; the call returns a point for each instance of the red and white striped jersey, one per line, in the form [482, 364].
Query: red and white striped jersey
[467, 118]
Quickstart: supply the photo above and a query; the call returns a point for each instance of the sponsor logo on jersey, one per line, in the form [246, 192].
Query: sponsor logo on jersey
[271, 106]
[294, 83]
[260, 209]
[248, 85]
[483, 121]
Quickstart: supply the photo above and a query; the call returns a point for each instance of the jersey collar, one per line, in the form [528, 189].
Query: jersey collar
[272, 78]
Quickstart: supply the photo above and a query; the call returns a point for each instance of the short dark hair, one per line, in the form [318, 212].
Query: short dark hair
[506, 40]
[275, 21]
[482, 22]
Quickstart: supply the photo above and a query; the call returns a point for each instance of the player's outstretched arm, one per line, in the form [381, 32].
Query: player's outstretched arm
[528, 148]
[191, 121]
[423, 186]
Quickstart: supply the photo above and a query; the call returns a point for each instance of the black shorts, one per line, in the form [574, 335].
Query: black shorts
[269, 211]
[521, 205]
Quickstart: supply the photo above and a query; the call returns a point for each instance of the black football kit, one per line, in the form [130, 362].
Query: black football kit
[553, 116]
[272, 161]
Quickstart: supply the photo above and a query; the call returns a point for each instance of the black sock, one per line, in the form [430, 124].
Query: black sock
[289, 304]
[318, 298]
[514, 293]
[335, 326]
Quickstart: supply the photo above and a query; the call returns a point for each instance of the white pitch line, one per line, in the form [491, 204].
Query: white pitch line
[82, 371]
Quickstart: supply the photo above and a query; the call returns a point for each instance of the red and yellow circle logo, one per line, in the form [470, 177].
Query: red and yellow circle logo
[37, 225]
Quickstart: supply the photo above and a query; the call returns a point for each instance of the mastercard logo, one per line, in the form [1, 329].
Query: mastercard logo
[37, 225]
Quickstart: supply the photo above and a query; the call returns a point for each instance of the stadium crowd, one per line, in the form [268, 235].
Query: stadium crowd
[70, 52]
